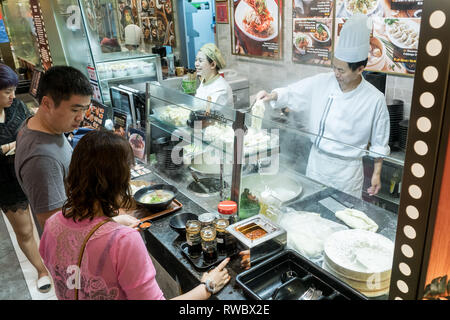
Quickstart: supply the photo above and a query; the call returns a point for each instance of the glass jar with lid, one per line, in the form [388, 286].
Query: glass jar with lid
[207, 219]
[209, 244]
[228, 210]
[221, 235]
[193, 238]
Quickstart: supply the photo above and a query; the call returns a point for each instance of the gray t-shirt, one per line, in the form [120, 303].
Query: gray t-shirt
[41, 164]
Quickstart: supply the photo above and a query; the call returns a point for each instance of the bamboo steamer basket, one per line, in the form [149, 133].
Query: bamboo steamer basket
[344, 257]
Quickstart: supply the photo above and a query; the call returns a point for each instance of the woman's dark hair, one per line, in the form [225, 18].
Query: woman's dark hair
[211, 61]
[8, 78]
[61, 82]
[99, 173]
[356, 65]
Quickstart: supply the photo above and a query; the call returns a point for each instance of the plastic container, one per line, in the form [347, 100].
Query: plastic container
[228, 210]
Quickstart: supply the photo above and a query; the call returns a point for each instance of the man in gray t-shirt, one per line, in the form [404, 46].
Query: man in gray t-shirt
[43, 153]
[50, 153]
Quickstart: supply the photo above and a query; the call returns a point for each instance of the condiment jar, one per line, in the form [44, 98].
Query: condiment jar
[221, 235]
[193, 238]
[207, 219]
[228, 210]
[209, 244]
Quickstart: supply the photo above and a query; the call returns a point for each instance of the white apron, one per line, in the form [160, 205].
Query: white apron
[345, 175]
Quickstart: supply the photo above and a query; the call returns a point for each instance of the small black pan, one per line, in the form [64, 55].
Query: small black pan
[178, 222]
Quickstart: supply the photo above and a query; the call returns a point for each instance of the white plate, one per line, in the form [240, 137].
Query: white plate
[308, 39]
[376, 3]
[326, 29]
[242, 9]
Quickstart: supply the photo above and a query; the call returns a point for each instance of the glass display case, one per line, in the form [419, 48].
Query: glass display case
[19, 22]
[261, 162]
[89, 35]
[184, 155]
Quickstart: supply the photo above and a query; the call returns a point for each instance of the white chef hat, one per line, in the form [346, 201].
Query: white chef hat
[133, 35]
[354, 39]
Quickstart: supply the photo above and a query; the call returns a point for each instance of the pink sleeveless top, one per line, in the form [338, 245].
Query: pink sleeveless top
[115, 265]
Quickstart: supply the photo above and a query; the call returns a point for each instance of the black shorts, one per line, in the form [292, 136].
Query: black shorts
[12, 197]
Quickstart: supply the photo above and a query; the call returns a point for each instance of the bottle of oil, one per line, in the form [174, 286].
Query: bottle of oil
[193, 238]
[394, 189]
[209, 244]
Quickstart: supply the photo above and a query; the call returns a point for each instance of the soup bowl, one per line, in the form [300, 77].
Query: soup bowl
[144, 195]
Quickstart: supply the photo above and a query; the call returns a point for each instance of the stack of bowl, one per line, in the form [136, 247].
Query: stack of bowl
[360, 258]
[395, 116]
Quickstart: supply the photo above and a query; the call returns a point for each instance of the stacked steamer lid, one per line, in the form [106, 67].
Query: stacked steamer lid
[362, 259]
[395, 116]
[403, 135]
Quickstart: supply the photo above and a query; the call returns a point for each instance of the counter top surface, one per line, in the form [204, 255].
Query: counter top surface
[164, 243]
[169, 241]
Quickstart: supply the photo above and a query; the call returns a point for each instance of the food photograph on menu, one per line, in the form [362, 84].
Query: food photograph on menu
[395, 32]
[137, 142]
[313, 8]
[312, 41]
[157, 22]
[257, 28]
[94, 116]
[380, 8]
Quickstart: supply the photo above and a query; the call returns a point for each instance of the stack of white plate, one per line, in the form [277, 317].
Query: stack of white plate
[362, 259]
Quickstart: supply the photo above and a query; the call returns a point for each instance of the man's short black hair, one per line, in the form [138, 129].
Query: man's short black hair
[356, 65]
[62, 82]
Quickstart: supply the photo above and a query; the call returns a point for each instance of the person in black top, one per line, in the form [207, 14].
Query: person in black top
[13, 201]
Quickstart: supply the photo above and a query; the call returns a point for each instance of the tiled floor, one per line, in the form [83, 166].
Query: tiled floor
[17, 277]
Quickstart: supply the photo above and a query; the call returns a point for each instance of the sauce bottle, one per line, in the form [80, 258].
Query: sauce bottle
[193, 238]
[209, 244]
[221, 235]
[228, 210]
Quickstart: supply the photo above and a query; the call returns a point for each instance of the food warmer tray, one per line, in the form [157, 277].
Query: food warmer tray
[264, 280]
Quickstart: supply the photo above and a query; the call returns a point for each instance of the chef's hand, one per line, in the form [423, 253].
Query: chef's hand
[265, 96]
[245, 259]
[126, 220]
[376, 185]
[219, 276]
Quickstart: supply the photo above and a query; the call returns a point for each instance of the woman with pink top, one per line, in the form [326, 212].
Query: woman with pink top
[115, 263]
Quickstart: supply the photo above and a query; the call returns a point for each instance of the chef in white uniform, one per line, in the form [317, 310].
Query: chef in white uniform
[344, 111]
[208, 62]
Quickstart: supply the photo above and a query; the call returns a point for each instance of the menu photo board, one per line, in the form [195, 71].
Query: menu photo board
[312, 41]
[395, 32]
[35, 80]
[120, 123]
[95, 115]
[136, 138]
[256, 28]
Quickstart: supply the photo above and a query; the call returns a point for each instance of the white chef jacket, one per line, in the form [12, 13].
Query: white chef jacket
[340, 122]
[218, 89]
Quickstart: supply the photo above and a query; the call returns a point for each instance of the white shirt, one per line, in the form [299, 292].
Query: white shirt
[133, 35]
[218, 89]
[353, 118]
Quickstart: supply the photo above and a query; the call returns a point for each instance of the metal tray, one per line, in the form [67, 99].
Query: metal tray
[260, 282]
